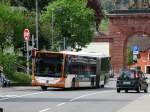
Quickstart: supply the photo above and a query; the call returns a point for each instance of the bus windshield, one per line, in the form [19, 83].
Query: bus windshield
[49, 66]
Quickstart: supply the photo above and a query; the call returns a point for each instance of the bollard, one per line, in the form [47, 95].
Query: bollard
[1, 109]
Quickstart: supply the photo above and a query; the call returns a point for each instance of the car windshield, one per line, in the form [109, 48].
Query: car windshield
[127, 74]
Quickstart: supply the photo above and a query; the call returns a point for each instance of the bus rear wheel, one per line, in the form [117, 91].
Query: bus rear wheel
[44, 88]
[73, 84]
[92, 82]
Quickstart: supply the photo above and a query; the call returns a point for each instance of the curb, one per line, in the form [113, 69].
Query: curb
[20, 84]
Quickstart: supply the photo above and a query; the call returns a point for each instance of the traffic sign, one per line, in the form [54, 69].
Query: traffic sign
[135, 49]
[26, 34]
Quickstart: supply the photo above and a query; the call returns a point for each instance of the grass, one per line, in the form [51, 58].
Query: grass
[20, 77]
[104, 25]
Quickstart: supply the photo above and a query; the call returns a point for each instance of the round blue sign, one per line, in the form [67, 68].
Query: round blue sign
[135, 48]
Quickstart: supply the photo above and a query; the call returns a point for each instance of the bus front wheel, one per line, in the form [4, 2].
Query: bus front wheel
[44, 88]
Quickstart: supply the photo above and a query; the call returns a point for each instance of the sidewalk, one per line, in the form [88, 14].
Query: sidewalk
[142, 104]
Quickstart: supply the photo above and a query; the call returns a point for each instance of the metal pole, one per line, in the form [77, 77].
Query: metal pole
[37, 39]
[33, 41]
[27, 45]
[64, 43]
[52, 28]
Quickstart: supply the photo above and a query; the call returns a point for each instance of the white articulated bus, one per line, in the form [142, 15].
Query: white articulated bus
[69, 69]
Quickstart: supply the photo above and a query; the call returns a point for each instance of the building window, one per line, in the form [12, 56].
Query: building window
[149, 56]
[148, 70]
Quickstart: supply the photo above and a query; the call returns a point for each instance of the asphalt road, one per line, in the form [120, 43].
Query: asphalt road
[32, 99]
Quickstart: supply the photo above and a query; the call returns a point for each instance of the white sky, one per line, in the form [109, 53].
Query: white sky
[98, 47]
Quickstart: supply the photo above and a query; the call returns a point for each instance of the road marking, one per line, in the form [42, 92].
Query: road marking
[4, 99]
[18, 96]
[60, 104]
[45, 110]
[88, 95]
[11, 96]
[32, 94]
[76, 98]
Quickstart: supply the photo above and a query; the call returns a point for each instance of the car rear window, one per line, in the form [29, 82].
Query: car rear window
[127, 74]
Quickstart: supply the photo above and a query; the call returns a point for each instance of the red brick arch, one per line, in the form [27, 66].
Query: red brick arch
[127, 40]
[122, 27]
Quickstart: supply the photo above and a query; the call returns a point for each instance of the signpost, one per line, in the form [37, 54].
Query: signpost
[135, 49]
[26, 34]
[26, 38]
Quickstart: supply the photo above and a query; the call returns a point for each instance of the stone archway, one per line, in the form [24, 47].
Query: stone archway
[121, 27]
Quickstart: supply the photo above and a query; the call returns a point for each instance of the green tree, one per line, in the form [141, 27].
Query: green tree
[13, 20]
[72, 20]
[8, 62]
[130, 56]
[30, 4]
[5, 27]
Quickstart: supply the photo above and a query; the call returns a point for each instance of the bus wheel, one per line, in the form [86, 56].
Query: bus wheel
[73, 83]
[105, 80]
[92, 82]
[102, 86]
[44, 88]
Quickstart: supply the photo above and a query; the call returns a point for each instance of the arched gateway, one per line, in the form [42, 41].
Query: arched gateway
[124, 24]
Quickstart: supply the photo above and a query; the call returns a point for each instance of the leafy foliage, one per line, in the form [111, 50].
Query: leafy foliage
[30, 4]
[130, 56]
[12, 23]
[20, 77]
[72, 20]
[104, 25]
[8, 62]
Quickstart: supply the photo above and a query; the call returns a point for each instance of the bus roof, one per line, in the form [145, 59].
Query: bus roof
[80, 53]
[88, 54]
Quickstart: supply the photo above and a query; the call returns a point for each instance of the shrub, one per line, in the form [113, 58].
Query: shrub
[20, 77]
[8, 62]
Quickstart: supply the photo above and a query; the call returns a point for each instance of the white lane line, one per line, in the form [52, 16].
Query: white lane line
[3, 96]
[19, 96]
[76, 98]
[44, 110]
[89, 95]
[11, 96]
[4, 99]
[32, 94]
[60, 104]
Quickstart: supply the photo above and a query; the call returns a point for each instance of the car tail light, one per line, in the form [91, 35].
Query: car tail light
[136, 75]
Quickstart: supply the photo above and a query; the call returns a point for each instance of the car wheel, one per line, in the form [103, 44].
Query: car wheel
[118, 90]
[138, 89]
[146, 90]
[126, 90]
[44, 88]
